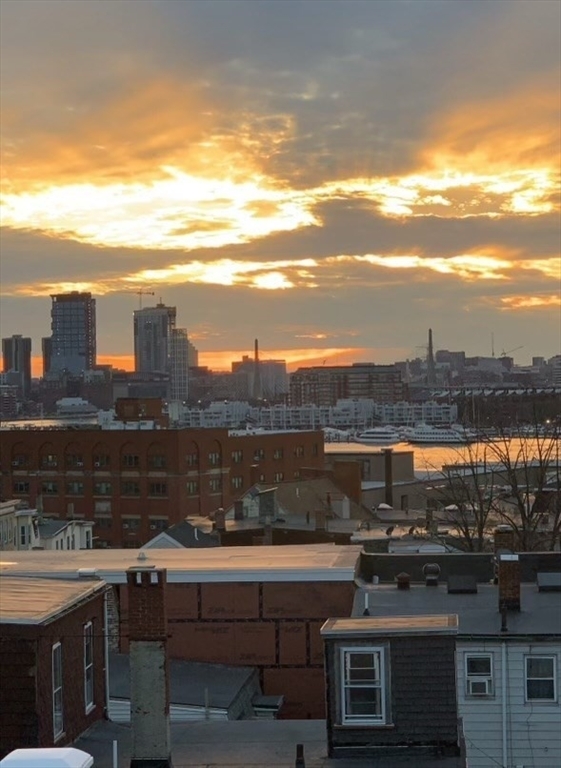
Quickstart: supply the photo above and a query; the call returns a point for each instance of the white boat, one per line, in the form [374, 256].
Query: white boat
[379, 436]
[427, 434]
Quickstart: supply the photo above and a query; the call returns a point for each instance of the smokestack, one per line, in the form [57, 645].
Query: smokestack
[148, 668]
[257, 389]
[509, 583]
[431, 370]
[388, 475]
[504, 539]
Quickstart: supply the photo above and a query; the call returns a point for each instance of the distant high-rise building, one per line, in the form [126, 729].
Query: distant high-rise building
[153, 328]
[431, 368]
[47, 351]
[73, 328]
[179, 364]
[193, 356]
[16, 357]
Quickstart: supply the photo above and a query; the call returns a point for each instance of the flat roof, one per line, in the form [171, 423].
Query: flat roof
[478, 614]
[38, 600]
[391, 625]
[302, 562]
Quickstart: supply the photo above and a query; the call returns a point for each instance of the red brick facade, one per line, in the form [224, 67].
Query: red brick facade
[272, 626]
[133, 483]
[26, 678]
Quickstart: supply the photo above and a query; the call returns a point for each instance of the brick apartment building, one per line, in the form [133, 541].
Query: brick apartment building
[132, 483]
[52, 660]
[325, 385]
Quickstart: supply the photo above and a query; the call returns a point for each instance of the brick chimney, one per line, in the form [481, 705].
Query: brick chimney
[388, 475]
[320, 519]
[504, 539]
[220, 520]
[509, 582]
[149, 668]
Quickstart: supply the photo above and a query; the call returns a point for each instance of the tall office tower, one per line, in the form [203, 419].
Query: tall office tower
[193, 355]
[16, 356]
[179, 364]
[47, 352]
[73, 333]
[153, 328]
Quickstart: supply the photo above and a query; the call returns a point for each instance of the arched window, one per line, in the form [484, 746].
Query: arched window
[48, 458]
[101, 457]
[73, 457]
[157, 459]
[192, 456]
[130, 457]
[20, 458]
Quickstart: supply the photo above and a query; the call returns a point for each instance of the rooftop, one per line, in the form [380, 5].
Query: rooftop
[304, 562]
[244, 743]
[478, 614]
[394, 625]
[38, 600]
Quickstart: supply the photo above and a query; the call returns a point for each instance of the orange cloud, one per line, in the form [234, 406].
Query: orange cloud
[530, 302]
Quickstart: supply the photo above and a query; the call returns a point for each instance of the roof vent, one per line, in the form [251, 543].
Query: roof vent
[462, 584]
[141, 555]
[431, 572]
[403, 581]
[549, 582]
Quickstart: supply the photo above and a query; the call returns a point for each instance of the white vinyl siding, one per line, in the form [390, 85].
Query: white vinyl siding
[533, 734]
[363, 694]
[58, 715]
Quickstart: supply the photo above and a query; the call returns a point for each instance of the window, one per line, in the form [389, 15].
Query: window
[315, 449]
[102, 489]
[49, 460]
[21, 487]
[215, 484]
[20, 460]
[214, 458]
[133, 523]
[158, 523]
[88, 667]
[157, 489]
[479, 674]
[23, 535]
[157, 461]
[540, 678]
[278, 453]
[130, 488]
[74, 461]
[192, 459]
[49, 488]
[192, 487]
[103, 522]
[279, 477]
[258, 454]
[131, 460]
[237, 457]
[363, 686]
[101, 461]
[299, 451]
[74, 489]
[58, 721]
[237, 482]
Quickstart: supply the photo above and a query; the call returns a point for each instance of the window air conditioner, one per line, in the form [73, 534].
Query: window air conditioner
[152, 527]
[482, 687]
[125, 525]
[97, 464]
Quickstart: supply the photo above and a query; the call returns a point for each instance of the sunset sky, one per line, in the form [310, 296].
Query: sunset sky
[333, 177]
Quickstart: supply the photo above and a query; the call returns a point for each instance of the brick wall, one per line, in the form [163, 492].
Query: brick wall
[26, 679]
[272, 626]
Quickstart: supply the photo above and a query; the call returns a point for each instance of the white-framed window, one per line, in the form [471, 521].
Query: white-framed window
[58, 718]
[540, 676]
[479, 674]
[89, 667]
[363, 694]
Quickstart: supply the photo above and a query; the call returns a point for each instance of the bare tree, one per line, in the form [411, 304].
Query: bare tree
[527, 461]
[513, 478]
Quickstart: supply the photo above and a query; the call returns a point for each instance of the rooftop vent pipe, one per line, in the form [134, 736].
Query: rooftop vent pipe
[403, 581]
[431, 572]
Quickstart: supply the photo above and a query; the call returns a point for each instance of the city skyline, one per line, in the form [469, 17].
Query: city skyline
[334, 178]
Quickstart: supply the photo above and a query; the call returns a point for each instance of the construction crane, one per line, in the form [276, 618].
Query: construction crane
[140, 293]
[509, 351]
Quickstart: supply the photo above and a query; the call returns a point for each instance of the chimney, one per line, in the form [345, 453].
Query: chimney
[509, 582]
[320, 520]
[220, 520]
[403, 581]
[149, 673]
[388, 475]
[504, 539]
[238, 509]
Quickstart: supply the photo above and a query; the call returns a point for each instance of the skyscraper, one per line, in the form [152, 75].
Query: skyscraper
[153, 328]
[179, 364]
[16, 356]
[73, 347]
